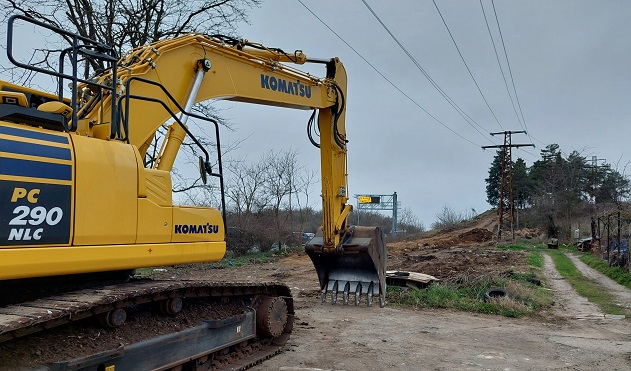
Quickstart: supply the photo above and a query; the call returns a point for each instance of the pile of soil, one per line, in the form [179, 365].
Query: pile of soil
[528, 233]
[446, 263]
[476, 235]
[468, 250]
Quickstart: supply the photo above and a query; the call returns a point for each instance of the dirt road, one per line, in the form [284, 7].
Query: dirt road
[350, 338]
[572, 335]
[568, 304]
[622, 294]
[329, 337]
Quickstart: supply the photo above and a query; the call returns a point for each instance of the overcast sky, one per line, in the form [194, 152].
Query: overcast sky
[570, 60]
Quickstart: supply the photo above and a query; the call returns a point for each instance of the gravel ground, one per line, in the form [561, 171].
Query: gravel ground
[572, 335]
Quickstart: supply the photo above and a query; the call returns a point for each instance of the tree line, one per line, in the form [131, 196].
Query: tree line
[556, 190]
[269, 203]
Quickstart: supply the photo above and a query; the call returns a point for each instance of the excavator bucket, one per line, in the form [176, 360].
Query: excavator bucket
[356, 268]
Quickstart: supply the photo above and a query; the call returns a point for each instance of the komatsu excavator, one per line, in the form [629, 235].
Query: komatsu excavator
[78, 197]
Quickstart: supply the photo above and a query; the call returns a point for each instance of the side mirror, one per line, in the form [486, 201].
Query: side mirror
[202, 170]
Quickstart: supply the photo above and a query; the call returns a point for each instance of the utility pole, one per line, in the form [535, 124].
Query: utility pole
[506, 183]
[395, 217]
[594, 167]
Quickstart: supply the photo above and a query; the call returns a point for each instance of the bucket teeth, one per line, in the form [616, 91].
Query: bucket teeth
[348, 288]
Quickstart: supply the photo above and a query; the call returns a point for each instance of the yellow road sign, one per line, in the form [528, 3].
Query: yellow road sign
[365, 199]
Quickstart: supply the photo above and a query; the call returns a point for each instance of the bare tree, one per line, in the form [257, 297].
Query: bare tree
[410, 222]
[261, 196]
[449, 218]
[246, 188]
[127, 24]
[306, 179]
[279, 185]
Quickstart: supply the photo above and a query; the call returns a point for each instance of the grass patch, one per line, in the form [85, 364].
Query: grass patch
[535, 259]
[522, 247]
[233, 260]
[466, 293]
[230, 260]
[615, 273]
[512, 247]
[143, 271]
[584, 286]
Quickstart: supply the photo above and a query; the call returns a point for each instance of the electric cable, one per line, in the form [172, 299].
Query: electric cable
[528, 152]
[460, 111]
[465, 63]
[510, 71]
[385, 78]
[497, 57]
[536, 139]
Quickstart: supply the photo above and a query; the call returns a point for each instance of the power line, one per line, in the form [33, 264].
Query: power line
[465, 63]
[530, 153]
[466, 117]
[510, 71]
[532, 137]
[497, 57]
[384, 77]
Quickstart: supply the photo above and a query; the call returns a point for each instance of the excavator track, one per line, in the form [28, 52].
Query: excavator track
[256, 332]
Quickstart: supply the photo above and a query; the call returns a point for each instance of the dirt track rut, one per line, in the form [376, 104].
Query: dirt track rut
[621, 293]
[568, 303]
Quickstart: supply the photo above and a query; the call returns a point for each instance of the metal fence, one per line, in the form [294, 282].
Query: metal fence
[610, 239]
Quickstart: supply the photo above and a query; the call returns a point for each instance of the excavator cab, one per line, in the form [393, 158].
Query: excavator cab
[356, 268]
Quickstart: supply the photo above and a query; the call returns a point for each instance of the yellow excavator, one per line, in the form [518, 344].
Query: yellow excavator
[79, 198]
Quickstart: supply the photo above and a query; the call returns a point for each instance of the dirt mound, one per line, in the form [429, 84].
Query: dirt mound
[528, 233]
[476, 235]
[478, 231]
[446, 263]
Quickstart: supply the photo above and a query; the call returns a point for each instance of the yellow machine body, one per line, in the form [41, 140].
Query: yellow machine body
[114, 223]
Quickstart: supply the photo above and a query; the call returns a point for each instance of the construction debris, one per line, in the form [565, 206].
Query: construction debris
[409, 279]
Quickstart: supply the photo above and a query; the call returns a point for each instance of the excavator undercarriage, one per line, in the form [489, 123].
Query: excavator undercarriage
[242, 324]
